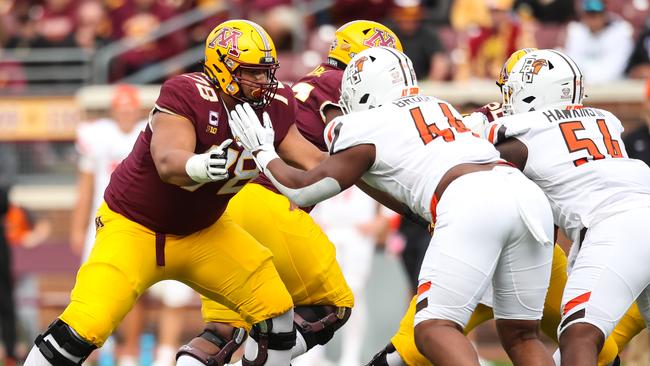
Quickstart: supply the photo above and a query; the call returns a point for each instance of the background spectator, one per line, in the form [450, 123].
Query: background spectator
[600, 43]
[638, 67]
[489, 45]
[93, 25]
[134, 22]
[8, 166]
[419, 40]
[56, 22]
[637, 142]
[549, 11]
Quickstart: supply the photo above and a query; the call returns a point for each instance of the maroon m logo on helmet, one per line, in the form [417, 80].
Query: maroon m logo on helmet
[227, 38]
[379, 38]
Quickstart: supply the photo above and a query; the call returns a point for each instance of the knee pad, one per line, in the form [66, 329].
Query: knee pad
[318, 323]
[266, 339]
[61, 345]
[226, 347]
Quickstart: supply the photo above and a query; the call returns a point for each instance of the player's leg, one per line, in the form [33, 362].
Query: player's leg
[305, 260]
[238, 272]
[174, 296]
[609, 273]
[520, 283]
[224, 332]
[130, 331]
[107, 286]
[552, 315]
[629, 326]
[466, 241]
[354, 253]
[522, 276]
[402, 351]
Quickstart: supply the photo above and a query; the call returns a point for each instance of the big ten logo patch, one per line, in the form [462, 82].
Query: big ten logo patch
[227, 38]
[379, 38]
[532, 67]
[213, 123]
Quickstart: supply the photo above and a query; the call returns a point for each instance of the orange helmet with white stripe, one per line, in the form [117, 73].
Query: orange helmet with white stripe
[238, 45]
[355, 36]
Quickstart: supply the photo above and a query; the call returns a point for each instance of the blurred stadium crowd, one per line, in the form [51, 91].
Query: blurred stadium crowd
[63, 44]
[55, 47]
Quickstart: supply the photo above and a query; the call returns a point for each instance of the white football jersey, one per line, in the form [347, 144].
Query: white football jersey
[578, 158]
[417, 140]
[101, 146]
[348, 209]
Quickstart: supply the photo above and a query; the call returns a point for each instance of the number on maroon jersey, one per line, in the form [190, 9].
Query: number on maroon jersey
[574, 144]
[428, 132]
[245, 170]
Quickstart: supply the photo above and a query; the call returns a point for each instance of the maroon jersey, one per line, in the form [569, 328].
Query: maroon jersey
[137, 192]
[314, 92]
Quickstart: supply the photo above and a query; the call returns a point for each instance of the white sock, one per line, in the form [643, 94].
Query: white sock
[186, 360]
[394, 359]
[165, 355]
[39, 360]
[281, 324]
[301, 346]
[36, 358]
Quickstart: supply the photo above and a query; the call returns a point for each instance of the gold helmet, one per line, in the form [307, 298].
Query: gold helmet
[239, 45]
[510, 64]
[355, 36]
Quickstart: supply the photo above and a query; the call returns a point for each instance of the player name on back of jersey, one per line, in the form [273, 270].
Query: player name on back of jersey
[403, 102]
[554, 115]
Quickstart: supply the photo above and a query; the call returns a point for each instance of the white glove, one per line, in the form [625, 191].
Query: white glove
[477, 122]
[210, 166]
[497, 132]
[252, 135]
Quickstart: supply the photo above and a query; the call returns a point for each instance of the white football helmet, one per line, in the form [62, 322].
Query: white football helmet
[376, 76]
[542, 79]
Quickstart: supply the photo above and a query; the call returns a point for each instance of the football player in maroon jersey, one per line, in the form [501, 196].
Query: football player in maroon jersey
[163, 216]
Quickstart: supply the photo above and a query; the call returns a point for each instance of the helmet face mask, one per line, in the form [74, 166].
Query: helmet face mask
[260, 92]
[542, 79]
[374, 77]
[240, 59]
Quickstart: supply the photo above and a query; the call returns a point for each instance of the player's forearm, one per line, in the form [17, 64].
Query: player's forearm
[381, 197]
[171, 167]
[305, 188]
[299, 152]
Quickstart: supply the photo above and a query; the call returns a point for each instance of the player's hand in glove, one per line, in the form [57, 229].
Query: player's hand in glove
[253, 135]
[491, 111]
[482, 117]
[210, 166]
